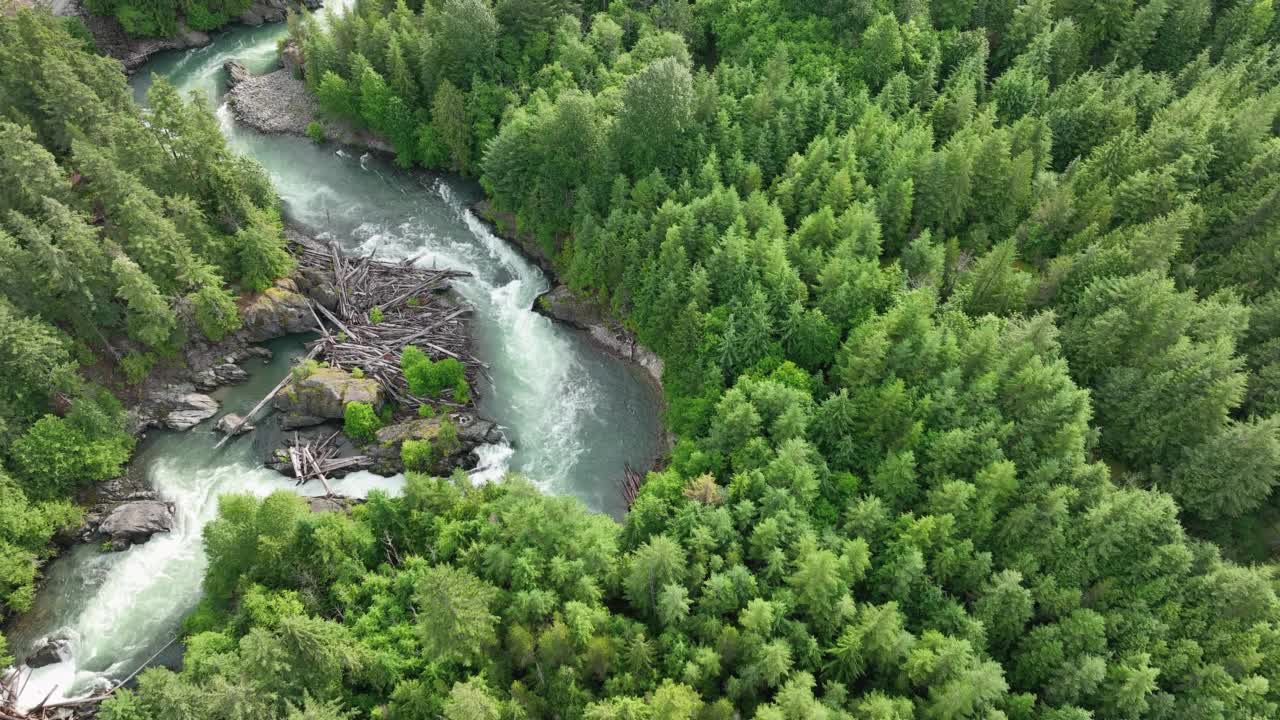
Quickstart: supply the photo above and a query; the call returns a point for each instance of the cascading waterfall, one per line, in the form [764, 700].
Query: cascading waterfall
[572, 414]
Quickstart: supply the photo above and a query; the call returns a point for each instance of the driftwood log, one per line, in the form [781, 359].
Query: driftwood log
[380, 308]
[630, 484]
[408, 309]
[314, 460]
[83, 707]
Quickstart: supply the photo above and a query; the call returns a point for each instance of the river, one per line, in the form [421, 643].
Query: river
[574, 415]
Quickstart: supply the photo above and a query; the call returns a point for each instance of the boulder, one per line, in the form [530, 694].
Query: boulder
[561, 304]
[189, 410]
[233, 424]
[49, 651]
[325, 392]
[275, 312]
[236, 73]
[318, 285]
[385, 450]
[136, 522]
[472, 432]
[225, 374]
[176, 406]
[334, 503]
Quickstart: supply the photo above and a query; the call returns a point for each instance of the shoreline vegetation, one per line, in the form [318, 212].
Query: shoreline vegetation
[133, 32]
[277, 102]
[127, 237]
[968, 314]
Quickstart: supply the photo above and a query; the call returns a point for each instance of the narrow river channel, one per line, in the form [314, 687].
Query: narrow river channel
[573, 414]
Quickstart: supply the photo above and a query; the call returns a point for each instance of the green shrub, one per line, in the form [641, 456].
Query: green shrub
[124, 705]
[429, 378]
[76, 28]
[426, 411]
[216, 311]
[446, 441]
[304, 369]
[461, 391]
[357, 373]
[360, 422]
[201, 17]
[137, 22]
[417, 455]
[56, 455]
[315, 131]
[375, 316]
[136, 366]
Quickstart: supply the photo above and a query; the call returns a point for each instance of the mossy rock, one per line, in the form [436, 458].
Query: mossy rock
[325, 394]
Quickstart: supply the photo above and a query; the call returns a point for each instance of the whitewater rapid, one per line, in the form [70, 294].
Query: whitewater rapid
[572, 415]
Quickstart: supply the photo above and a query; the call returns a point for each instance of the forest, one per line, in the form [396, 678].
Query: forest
[122, 234]
[971, 327]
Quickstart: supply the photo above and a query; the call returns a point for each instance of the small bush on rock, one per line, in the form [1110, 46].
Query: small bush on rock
[360, 422]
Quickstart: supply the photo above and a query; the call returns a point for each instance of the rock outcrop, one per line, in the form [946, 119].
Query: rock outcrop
[113, 41]
[224, 374]
[190, 409]
[236, 72]
[49, 651]
[275, 312]
[278, 103]
[175, 406]
[123, 512]
[504, 225]
[456, 452]
[233, 424]
[323, 395]
[560, 303]
[135, 522]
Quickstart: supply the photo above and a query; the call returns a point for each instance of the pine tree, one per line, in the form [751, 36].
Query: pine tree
[149, 319]
[449, 117]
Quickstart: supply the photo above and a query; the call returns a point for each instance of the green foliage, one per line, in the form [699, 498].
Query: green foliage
[120, 230]
[417, 455]
[304, 369]
[164, 18]
[137, 366]
[375, 315]
[446, 440]
[26, 528]
[428, 378]
[262, 256]
[56, 455]
[316, 132]
[360, 422]
[422, 455]
[948, 295]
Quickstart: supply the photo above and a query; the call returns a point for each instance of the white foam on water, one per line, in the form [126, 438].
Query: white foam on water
[124, 606]
[139, 596]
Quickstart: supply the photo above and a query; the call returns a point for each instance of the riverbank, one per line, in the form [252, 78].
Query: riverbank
[277, 103]
[563, 305]
[133, 52]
